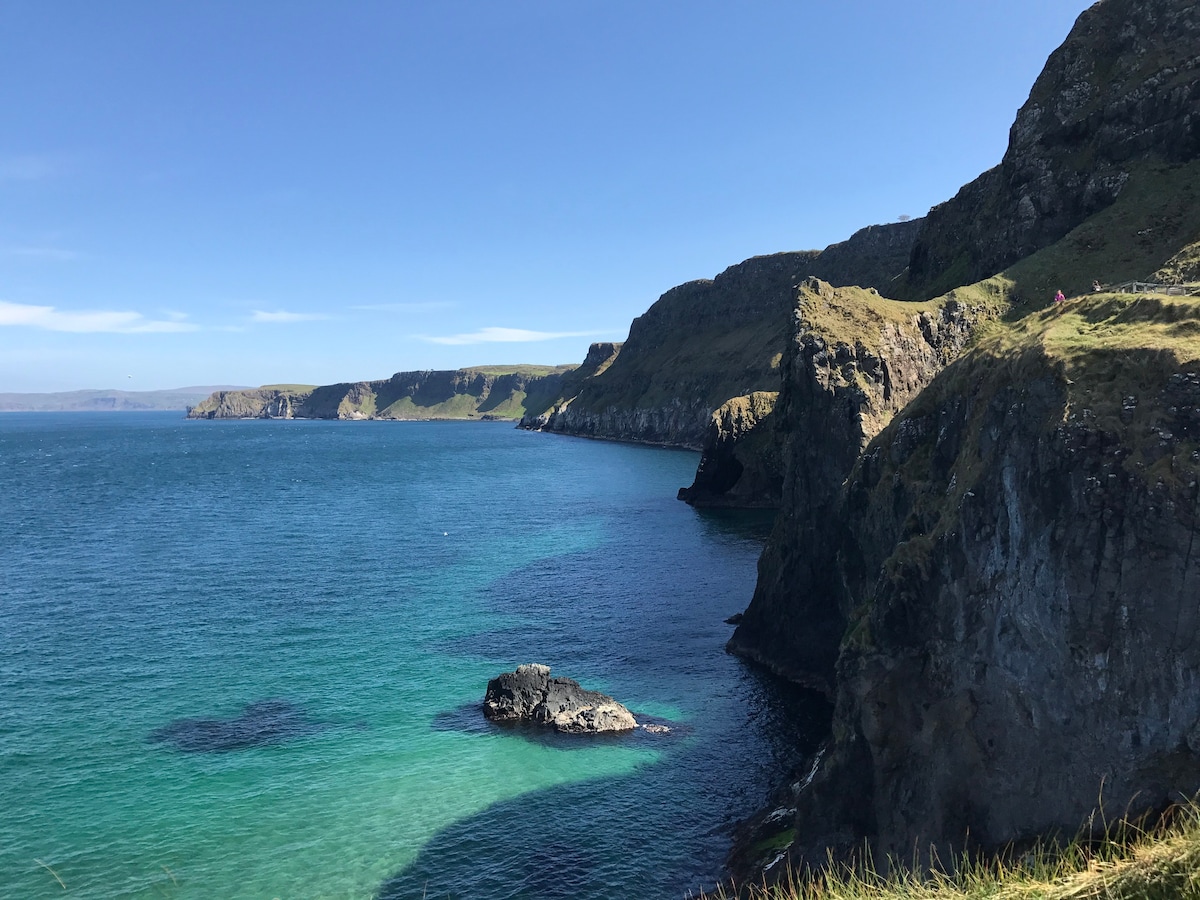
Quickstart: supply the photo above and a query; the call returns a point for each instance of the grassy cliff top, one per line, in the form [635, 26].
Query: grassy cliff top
[293, 388]
[1103, 345]
[1151, 232]
[1158, 863]
[520, 369]
[1114, 360]
[854, 315]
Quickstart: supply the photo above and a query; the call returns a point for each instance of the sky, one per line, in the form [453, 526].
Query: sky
[314, 192]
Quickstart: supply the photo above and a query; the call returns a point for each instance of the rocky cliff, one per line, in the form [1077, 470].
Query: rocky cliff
[252, 403]
[993, 574]
[706, 342]
[457, 394]
[853, 360]
[742, 465]
[1123, 91]
[1016, 566]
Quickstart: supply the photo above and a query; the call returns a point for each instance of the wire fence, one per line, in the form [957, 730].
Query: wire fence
[1150, 287]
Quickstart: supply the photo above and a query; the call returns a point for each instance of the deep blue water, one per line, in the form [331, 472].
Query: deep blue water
[245, 659]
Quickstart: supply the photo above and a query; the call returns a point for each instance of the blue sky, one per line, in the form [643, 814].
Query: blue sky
[249, 193]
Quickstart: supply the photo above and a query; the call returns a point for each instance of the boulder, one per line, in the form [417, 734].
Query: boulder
[529, 694]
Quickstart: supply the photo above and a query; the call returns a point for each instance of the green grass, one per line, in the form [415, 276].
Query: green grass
[460, 406]
[520, 369]
[854, 315]
[1151, 232]
[1097, 349]
[293, 388]
[710, 365]
[1132, 863]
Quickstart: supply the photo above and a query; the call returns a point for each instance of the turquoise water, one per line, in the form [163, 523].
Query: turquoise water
[245, 659]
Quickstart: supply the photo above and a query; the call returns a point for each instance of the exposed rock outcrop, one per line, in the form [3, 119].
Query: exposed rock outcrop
[853, 361]
[1000, 587]
[251, 403]
[1122, 90]
[1016, 564]
[705, 342]
[529, 694]
[742, 465]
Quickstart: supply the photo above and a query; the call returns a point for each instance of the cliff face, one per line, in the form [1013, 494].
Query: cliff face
[458, 394]
[1123, 89]
[854, 360]
[742, 465]
[706, 342]
[701, 344]
[250, 403]
[1016, 562]
[998, 586]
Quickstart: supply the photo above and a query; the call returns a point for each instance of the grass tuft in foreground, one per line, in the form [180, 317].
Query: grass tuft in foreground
[1133, 863]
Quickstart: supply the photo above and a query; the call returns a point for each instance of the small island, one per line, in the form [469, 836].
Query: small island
[530, 695]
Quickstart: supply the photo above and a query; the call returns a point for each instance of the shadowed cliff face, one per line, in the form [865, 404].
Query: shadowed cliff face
[1123, 88]
[853, 361]
[706, 342]
[1018, 567]
[702, 343]
[742, 464]
[1000, 588]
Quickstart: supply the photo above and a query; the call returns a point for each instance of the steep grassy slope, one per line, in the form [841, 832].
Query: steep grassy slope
[1123, 90]
[1148, 233]
[706, 342]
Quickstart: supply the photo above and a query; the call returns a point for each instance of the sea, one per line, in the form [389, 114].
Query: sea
[247, 659]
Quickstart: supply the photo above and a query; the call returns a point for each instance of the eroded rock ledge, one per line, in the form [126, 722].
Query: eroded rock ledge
[530, 695]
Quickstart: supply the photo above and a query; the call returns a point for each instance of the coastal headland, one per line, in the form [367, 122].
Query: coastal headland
[988, 501]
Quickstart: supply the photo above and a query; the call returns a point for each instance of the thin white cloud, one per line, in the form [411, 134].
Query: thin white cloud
[506, 336]
[283, 316]
[50, 318]
[421, 306]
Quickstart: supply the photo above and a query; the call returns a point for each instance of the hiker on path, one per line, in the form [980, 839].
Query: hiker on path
[1059, 297]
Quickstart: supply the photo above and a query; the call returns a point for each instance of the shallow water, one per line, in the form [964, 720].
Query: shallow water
[245, 659]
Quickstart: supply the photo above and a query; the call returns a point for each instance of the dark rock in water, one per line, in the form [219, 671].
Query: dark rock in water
[735, 619]
[264, 723]
[530, 695]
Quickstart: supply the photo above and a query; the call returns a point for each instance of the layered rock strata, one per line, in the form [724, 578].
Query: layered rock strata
[456, 394]
[853, 361]
[1016, 564]
[706, 342]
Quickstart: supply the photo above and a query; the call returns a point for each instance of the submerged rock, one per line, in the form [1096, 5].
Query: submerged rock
[264, 723]
[529, 694]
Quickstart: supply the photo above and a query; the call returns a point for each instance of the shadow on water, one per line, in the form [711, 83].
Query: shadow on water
[661, 831]
[751, 524]
[264, 723]
[640, 617]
